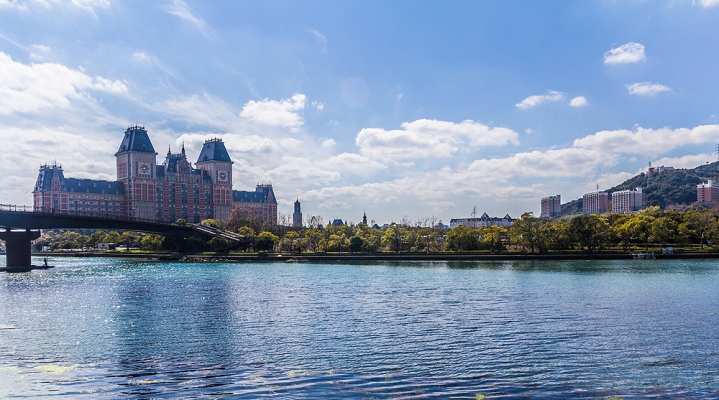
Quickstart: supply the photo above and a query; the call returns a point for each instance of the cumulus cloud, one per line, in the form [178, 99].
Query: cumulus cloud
[31, 88]
[687, 161]
[183, 11]
[579, 101]
[276, 113]
[538, 99]
[430, 138]
[627, 53]
[647, 88]
[647, 141]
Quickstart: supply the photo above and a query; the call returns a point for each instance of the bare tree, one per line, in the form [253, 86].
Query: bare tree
[315, 221]
[405, 222]
[284, 218]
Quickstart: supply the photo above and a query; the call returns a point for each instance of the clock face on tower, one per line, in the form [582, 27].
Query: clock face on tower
[222, 175]
[144, 168]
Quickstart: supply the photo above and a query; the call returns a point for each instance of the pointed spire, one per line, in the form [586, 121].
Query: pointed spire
[169, 152]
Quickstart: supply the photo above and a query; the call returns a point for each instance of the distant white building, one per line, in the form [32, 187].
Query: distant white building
[595, 203]
[627, 201]
[483, 221]
[551, 207]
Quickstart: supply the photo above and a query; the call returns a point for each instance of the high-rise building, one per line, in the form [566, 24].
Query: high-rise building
[551, 207]
[166, 192]
[595, 203]
[708, 192]
[627, 201]
[297, 215]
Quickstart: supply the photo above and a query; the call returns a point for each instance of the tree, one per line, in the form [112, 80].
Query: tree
[289, 240]
[218, 243]
[555, 235]
[246, 231]
[589, 231]
[639, 227]
[492, 237]
[525, 232]
[266, 241]
[697, 225]
[664, 230]
[214, 223]
[394, 237]
[462, 238]
[356, 243]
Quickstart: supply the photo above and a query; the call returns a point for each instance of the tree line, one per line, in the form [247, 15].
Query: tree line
[649, 228]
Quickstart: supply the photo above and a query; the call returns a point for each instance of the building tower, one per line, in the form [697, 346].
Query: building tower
[136, 159]
[297, 216]
[364, 218]
[216, 161]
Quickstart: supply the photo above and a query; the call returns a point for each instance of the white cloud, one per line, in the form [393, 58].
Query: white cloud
[352, 163]
[31, 88]
[87, 5]
[328, 143]
[91, 5]
[647, 141]
[182, 10]
[579, 101]
[321, 39]
[430, 138]
[709, 3]
[276, 113]
[687, 161]
[538, 99]
[14, 4]
[647, 88]
[627, 53]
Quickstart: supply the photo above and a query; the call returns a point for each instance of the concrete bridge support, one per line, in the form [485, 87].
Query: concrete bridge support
[18, 246]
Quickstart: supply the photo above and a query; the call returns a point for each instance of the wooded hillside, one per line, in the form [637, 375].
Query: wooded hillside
[671, 187]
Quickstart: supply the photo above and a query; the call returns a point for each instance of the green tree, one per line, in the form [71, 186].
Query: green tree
[266, 241]
[214, 223]
[462, 238]
[218, 243]
[246, 231]
[589, 231]
[356, 243]
[395, 237]
[492, 237]
[555, 236]
[664, 230]
[697, 225]
[525, 232]
[288, 242]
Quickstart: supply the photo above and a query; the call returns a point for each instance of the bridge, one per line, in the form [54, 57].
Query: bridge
[22, 225]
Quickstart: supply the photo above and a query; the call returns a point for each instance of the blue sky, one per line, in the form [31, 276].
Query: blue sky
[394, 108]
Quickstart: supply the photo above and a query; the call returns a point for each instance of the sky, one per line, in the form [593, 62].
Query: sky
[398, 109]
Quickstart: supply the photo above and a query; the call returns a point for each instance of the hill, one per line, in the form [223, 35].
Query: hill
[674, 187]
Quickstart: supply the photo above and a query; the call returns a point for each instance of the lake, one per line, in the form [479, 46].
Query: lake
[111, 328]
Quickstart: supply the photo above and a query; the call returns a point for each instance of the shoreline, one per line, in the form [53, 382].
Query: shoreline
[332, 257]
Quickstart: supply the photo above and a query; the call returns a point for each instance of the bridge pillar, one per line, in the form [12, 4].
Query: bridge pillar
[18, 246]
[181, 245]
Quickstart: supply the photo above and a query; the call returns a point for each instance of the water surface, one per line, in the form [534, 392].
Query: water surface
[563, 329]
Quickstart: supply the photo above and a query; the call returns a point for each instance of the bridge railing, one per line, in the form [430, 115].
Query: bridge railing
[13, 207]
[90, 214]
